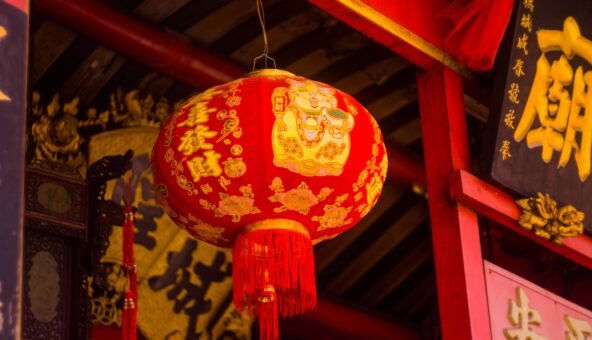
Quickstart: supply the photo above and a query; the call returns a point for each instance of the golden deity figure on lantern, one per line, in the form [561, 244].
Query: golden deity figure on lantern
[310, 135]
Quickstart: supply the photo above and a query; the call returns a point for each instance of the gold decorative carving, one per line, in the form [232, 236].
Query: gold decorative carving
[541, 215]
[106, 308]
[55, 131]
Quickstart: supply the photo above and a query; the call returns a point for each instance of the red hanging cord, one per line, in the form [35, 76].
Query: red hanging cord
[130, 303]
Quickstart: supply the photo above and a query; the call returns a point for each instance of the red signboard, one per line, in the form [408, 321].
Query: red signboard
[519, 309]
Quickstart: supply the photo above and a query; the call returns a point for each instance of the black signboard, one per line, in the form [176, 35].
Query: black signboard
[541, 122]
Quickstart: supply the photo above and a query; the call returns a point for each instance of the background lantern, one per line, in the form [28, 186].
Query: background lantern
[270, 164]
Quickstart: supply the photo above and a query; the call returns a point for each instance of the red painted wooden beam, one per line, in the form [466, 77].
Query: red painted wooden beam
[334, 321]
[460, 278]
[366, 19]
[497, 205]
[158, 50]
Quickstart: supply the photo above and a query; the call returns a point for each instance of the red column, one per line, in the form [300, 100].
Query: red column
[455, 231]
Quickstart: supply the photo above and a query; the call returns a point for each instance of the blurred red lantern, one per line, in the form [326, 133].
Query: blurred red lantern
[270, 164]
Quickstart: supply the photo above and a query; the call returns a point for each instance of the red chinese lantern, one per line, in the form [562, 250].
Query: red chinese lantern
[270, 164]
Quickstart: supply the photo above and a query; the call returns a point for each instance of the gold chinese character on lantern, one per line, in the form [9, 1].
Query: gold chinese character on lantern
[194, 140]
[550, 101]
[522, 318]
[205, 166]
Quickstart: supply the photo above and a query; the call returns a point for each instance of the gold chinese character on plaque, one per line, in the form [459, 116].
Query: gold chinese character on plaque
[522, 318]
[509, 118]
[578, 329]
[528, 4]
[563, 127]
[3, 96]
[522, 43]
[513, 93]
[505, 150]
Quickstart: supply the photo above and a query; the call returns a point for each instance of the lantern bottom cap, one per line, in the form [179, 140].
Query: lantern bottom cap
[276, 224]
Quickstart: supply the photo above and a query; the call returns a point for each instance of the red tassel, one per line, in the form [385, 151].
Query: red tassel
[268, 319]
[273, 264]
[130, 303]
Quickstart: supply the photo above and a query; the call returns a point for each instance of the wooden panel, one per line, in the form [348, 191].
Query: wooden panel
[14, 28]
[390, 238]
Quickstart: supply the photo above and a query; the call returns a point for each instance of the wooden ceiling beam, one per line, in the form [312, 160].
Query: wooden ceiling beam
[391, 237]
[410, 31]
[159, 50]
[398, 273]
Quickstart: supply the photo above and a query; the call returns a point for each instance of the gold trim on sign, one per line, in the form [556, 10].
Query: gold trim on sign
[269, 72]
[276, 223]
[405, 35]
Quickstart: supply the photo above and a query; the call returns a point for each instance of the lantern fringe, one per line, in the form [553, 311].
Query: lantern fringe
[273, 269]
[268, 319]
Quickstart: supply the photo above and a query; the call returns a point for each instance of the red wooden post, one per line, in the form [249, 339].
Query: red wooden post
[455, 231]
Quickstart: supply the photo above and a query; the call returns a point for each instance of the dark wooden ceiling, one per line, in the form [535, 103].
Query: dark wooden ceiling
[385, 264]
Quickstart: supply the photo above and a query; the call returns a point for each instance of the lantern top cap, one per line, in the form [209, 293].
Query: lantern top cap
[269, 72]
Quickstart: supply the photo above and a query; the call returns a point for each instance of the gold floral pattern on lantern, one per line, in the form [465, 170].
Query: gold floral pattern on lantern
[291, 145]
[176, 166]
[307, 120]
[236, 150]
[335, 215]
[330, 150]
[204, 231]
[299, 199]
[234, 167]
[372, 176]
[206, 188]
[233, 205]
[323, 238]
[231, 124]
[231, 94]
